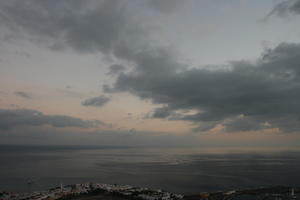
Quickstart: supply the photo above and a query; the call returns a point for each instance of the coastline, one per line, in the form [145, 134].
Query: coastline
[93, 191]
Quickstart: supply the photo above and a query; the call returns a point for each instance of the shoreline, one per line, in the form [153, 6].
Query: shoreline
[115, 191]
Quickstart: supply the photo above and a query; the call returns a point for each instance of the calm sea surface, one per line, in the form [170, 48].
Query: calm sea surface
[181, 170]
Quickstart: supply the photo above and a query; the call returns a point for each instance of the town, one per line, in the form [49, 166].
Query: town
[69, 191]
[88, 190]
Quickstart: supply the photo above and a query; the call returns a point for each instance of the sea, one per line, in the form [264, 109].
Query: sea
[26, 168]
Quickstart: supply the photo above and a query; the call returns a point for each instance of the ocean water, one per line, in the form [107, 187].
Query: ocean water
[180, 170]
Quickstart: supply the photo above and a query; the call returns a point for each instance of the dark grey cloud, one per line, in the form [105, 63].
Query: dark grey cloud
[165, 6]
[116, 69]
[242, 123]
[285, 7]
[10, 119]
[264, 92]
[104, 26]
[204, 127]
[23, 94]
[96, 101]
[162, 112]
[89, 26]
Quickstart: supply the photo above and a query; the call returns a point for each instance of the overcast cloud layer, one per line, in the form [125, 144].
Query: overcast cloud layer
[241, 96]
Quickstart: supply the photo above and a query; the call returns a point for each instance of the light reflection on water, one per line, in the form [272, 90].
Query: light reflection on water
[182, 170]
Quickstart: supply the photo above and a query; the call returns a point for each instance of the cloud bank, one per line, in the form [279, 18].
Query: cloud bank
[10, 119]
[243, 96]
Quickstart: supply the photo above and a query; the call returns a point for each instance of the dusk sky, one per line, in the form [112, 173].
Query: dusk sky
[150, 72]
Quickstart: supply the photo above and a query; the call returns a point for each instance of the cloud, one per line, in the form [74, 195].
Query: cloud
[286, 7]
[85, 27]
[162, 112]
[96, 101]
[242, 123]
[23, 94]
[165, 6]
[10, 119]
[104, 26]
[115, 69]
[264, 92]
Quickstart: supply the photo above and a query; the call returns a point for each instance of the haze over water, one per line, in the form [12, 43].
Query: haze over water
[181, 170]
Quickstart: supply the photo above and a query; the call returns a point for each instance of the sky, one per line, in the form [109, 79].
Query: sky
[150, 72]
